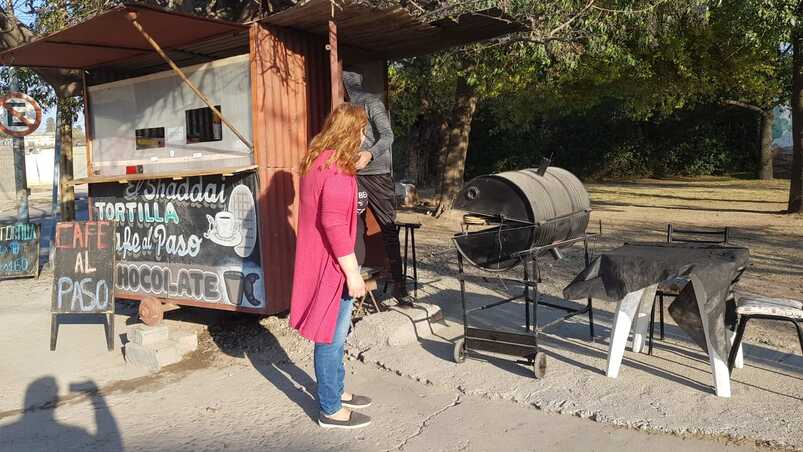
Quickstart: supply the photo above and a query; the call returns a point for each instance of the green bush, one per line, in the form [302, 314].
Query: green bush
[605, 144]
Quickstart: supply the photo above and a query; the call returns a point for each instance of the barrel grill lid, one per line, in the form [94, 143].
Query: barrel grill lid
[497, 198]
[494, 196]
[523, 209]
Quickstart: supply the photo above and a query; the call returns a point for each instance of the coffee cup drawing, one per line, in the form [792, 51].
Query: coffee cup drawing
[234, 286]
[223, 229]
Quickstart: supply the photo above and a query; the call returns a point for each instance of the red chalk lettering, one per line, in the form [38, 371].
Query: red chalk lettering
[102, 231]
[60, 229]
[78, 237]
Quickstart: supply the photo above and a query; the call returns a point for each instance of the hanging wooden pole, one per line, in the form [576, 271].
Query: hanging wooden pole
[88, 125]
[132, 17]
[335, 67]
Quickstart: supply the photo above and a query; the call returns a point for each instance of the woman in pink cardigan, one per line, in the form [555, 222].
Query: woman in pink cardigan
[327, 277]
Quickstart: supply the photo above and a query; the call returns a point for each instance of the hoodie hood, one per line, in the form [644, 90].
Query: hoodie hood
[353, 83]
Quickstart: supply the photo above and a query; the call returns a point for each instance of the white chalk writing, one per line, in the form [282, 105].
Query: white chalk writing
[210, 193]
[86, 295]
[158, 280]
[25, 231]
[136, 211]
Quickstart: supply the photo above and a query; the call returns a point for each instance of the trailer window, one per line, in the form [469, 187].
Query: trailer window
[203, 125]
[150, 138]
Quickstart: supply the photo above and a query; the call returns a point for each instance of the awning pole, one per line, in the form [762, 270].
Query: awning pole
[335, 65]
[132, 17]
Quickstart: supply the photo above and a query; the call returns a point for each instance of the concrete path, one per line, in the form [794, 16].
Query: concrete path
[668, 392]
[269, 407]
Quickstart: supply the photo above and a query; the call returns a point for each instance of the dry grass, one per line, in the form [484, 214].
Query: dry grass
[753, 209]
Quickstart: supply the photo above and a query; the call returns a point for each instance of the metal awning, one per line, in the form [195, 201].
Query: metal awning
[392, 33]
[108, 37]
[109, 48]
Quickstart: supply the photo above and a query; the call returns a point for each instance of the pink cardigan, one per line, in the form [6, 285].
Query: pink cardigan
[327, 223]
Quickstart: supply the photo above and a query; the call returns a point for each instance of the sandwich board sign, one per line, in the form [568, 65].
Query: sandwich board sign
[19, 250]
[83, 273]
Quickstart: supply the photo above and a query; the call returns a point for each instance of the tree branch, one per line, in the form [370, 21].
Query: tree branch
[637, 11]
[745, 105]
[572, 19]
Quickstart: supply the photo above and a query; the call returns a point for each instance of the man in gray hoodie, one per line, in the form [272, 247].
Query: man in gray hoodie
[375, 177]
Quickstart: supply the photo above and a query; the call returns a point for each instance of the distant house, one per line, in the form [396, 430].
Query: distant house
[782, 127]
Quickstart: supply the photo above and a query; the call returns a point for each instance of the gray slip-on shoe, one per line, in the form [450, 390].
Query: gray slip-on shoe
[356, 420]
[356, 402]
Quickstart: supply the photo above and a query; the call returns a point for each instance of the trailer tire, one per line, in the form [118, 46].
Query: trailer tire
[151, 311]
[539, 365]
[459, 351]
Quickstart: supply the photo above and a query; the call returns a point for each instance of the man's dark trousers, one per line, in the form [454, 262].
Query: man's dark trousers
[382, 202]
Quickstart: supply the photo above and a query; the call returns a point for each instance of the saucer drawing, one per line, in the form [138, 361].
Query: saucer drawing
[233, 240]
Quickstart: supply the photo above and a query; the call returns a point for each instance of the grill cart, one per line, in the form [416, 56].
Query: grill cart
[524, 215]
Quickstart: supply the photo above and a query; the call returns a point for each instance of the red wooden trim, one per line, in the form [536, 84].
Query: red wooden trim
[199, 304]
[335, 67]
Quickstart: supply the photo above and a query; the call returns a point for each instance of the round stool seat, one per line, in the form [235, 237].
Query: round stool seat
[779, 307]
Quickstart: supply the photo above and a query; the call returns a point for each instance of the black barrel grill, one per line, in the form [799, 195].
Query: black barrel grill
[522, 209]
[512, 219]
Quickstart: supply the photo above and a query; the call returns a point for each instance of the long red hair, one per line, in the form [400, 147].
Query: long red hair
[342, 132]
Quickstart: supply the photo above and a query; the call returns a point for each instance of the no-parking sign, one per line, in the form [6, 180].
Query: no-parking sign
[20, 114]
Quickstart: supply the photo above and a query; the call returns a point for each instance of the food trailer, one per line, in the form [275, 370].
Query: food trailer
[195, 129]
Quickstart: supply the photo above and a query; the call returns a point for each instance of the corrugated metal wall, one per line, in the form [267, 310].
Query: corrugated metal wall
[291, 97]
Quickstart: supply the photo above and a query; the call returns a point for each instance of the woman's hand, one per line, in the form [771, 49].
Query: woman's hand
[363, 159]
[355, 284]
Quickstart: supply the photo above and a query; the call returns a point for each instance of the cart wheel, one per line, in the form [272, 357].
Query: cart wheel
[151, 311]
[459, 351]
[539, 365]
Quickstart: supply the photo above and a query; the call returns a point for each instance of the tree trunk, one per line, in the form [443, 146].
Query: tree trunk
[66, 192]
[456, 150]
[440, 154]
[796, 187]
[765, 151]
[413, 149]
[424, 149]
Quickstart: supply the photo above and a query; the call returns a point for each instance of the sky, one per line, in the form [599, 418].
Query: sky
[51, 113]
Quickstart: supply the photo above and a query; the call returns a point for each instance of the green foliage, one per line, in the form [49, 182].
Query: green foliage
[48, 16]
[624, 89]
[604, 143]
[30, 83]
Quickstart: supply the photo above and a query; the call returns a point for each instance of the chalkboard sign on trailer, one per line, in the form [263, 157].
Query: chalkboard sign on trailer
[19, 250]
[195, 240]
[83, 274]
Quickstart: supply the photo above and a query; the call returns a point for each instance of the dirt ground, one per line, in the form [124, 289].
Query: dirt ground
[250, 385]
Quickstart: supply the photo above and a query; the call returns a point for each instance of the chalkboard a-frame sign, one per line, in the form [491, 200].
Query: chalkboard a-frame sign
[83, 273]
[19, 250]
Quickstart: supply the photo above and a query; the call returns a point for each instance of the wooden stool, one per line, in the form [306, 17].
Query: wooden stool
[756, 307]
[409, 238]
[369, 276]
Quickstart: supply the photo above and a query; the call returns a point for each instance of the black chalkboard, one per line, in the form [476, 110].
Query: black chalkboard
[83, 271]
[19, 250]
[191, 240]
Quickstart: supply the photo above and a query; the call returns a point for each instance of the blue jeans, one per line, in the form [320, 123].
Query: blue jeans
[330, 372]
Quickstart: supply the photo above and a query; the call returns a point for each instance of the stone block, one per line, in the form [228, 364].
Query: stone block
[146, 336]
[395, 327]
[153, 357]
[186, 341]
